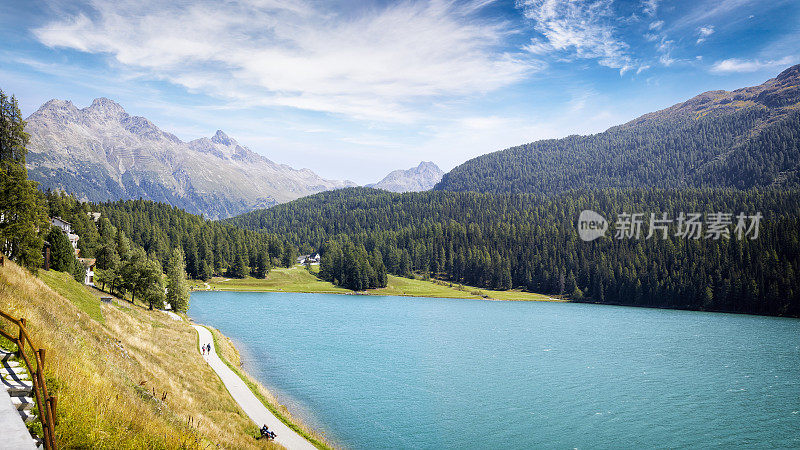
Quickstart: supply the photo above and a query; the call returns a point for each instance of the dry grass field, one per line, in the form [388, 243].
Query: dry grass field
[134, 381]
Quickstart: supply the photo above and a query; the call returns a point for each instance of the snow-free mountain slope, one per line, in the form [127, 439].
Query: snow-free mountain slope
[421, 178]
[102, 153]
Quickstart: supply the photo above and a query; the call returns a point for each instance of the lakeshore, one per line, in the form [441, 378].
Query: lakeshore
[298, 279]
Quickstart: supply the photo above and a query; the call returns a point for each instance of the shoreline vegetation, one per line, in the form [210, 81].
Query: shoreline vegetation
[298, 279]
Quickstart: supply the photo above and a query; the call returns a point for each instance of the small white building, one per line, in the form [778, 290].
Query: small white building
[67, 228]
[89, 263]
[309, 259]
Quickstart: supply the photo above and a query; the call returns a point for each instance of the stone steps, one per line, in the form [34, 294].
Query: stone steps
[22, 403]
[27, 416]
[20, 389]
[18, 410]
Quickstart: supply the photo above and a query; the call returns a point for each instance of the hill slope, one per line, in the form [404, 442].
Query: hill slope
[102, 153]
[131, 382]
[421, 178]
[740, 139]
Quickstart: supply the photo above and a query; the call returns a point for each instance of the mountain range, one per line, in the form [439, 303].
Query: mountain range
[421, 178]
[746, 138]
[102, 153]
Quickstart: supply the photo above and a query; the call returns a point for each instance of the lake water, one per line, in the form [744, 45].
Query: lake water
[389, 372]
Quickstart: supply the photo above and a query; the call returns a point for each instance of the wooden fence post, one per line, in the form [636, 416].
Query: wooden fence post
[53, 405]
[20, 341]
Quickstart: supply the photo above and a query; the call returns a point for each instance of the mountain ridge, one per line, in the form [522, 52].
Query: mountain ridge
[102, 153]
[745, 138]
[420, 178]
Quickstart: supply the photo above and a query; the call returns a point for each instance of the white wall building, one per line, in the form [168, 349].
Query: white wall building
[67, 228]
[89, 264]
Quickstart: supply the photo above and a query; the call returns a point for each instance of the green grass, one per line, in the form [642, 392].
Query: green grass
[435, 288]
[64, 284]
[298, 279]
[293, 279]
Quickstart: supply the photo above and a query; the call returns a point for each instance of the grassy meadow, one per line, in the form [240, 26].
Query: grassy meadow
[298, 279]
[64, 284]
[279, 279]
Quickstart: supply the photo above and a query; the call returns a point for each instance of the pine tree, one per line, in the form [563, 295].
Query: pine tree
[62, 255]
[239, 269]
[23, 218]
[262, 265]
[177, 287]
[206, 271]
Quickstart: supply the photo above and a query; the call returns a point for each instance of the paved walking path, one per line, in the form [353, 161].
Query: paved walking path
[251, 405]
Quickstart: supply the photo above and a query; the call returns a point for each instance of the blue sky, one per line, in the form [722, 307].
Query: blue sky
[356, 89]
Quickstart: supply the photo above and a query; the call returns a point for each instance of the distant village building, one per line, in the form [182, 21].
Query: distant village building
[308, 259]
[89, 263]
[94, 215]
[67, 228]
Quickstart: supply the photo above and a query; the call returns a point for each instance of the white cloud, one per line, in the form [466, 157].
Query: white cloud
[378, 64]
[664, 48]
[586, 29]
[649, 7]
[657, 25]
[704, 32]
[734, 65]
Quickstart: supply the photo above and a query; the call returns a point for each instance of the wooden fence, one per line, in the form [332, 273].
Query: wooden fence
[35, 364]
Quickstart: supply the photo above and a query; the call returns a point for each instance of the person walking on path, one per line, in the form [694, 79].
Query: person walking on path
[250, 404]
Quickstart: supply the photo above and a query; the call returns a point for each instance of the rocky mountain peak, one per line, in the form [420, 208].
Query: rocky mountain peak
[101, 153]
[106, 107]
[420, 178]
[428, 165]
[221, 138]
[55, 108]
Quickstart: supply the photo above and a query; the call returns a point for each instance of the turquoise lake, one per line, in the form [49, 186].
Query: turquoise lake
[399, 372]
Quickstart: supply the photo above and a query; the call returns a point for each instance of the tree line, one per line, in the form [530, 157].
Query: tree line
[530, 242]
[134, 241]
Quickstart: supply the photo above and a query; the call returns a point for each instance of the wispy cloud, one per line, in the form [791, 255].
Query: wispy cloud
[585, 29]
[735, 65]
[378, 64]
[649, 7]
[704, 32]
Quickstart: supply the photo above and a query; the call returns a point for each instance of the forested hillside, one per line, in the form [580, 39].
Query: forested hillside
[742, 139]
[209, 247]
[530, 241]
